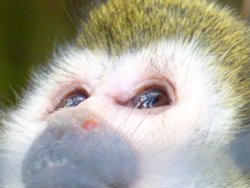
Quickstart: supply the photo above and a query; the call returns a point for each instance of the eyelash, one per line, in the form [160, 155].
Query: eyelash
[71, 96]
[150, 97]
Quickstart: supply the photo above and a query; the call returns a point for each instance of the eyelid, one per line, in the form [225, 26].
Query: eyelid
[162, 84]
[75, 91]
[63, 102]
[64, 90]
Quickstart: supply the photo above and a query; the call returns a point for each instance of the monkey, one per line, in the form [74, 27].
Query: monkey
[152, 93]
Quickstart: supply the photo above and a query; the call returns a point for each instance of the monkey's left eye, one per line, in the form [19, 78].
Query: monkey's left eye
[73, 99]
[151, 98]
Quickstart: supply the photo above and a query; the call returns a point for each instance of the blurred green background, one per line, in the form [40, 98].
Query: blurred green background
[30, 30]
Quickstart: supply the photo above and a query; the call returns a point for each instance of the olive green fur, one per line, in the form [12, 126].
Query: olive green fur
[122, 25]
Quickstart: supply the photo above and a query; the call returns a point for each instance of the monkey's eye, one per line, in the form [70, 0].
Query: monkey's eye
[73, 99]
[151, 98]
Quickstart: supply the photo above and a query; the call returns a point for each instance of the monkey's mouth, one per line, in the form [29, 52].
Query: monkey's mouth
[78, 158]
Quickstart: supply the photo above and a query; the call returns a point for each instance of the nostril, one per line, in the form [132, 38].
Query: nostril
[90, 124]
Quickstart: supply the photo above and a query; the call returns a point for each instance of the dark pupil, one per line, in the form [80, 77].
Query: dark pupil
[151, 99]
[74, 100]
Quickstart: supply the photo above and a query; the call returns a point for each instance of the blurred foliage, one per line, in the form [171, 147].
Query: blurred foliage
[29, 32]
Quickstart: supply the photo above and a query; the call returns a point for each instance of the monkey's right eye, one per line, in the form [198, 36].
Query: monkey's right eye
[73, 99]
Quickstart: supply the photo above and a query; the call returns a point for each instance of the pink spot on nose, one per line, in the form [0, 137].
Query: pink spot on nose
[90, 125]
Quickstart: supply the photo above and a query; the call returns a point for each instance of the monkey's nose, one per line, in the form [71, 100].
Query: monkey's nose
[91, 155]
[90, 124]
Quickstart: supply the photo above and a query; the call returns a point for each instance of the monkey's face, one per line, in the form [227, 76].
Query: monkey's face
[147, 118]
[153, 94]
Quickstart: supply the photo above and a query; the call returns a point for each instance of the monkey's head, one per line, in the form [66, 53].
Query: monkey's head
[153, 93]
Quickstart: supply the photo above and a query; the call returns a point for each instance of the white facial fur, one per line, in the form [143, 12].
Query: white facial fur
[185, 68]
